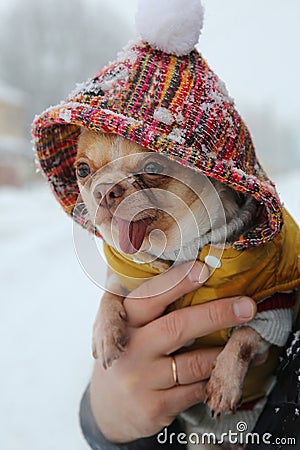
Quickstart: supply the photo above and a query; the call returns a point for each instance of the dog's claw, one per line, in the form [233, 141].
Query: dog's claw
[110, 335]
[121, 343]
[110, 353]
[123, 315]
[104, 365]
[108, 362]
[221, 396]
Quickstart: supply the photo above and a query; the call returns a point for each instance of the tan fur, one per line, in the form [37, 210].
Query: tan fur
[101, 149]
[192, 188]
[113, 161]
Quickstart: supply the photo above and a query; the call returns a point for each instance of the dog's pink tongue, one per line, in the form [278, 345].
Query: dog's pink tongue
[131, 234]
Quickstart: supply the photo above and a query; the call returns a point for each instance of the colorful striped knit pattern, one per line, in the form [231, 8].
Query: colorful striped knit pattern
[176, 106]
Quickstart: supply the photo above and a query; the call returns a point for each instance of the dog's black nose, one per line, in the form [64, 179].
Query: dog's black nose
[107, 194]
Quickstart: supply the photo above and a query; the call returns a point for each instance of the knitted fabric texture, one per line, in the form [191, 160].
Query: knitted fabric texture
[176, 106]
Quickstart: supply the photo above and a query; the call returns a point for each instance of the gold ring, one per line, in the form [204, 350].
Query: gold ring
[174, 371]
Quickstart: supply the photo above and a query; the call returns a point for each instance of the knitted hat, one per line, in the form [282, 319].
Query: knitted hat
[161, 94]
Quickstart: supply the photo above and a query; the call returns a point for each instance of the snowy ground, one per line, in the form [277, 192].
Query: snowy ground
[47, 309]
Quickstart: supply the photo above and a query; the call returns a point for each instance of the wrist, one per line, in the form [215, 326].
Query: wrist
[114, 434]
[113, 422]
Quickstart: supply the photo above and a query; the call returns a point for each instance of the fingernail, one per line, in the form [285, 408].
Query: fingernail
[243, 308]
[199, 273]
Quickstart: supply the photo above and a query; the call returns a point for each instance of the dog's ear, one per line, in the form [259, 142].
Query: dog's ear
[240, 198]
[79, 199]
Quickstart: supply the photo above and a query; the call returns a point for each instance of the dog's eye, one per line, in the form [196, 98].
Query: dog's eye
[83, 170]
[153, 168]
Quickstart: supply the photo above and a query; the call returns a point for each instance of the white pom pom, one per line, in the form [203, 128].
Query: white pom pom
[173, 26]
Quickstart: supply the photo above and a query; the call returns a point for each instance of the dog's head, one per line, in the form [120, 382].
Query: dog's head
[141, 201]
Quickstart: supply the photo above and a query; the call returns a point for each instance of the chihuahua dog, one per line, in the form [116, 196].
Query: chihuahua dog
[144, 204]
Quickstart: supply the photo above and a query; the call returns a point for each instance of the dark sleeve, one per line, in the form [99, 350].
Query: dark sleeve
[97, 441]
[281, 415]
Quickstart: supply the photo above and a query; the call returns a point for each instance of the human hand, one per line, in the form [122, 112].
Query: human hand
[138, 396]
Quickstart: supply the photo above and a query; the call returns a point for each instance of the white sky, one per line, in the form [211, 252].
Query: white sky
[254, 46]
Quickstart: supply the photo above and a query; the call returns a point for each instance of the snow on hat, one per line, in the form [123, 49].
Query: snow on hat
[161, 94]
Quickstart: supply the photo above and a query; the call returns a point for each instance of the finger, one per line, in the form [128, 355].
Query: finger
[181, 326]
[196, 365]
[150, 300]
[191, 367]
[180, 398]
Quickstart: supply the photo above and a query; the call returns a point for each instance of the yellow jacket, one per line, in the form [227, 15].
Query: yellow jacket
[257, 272]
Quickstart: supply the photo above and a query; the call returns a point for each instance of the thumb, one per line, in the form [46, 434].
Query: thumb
[151, 298]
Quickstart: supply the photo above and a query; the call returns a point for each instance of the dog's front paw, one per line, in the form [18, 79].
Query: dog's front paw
[110, 334]
[223, 393]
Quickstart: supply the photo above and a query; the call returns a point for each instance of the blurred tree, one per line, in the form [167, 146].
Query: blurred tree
[46, 46]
